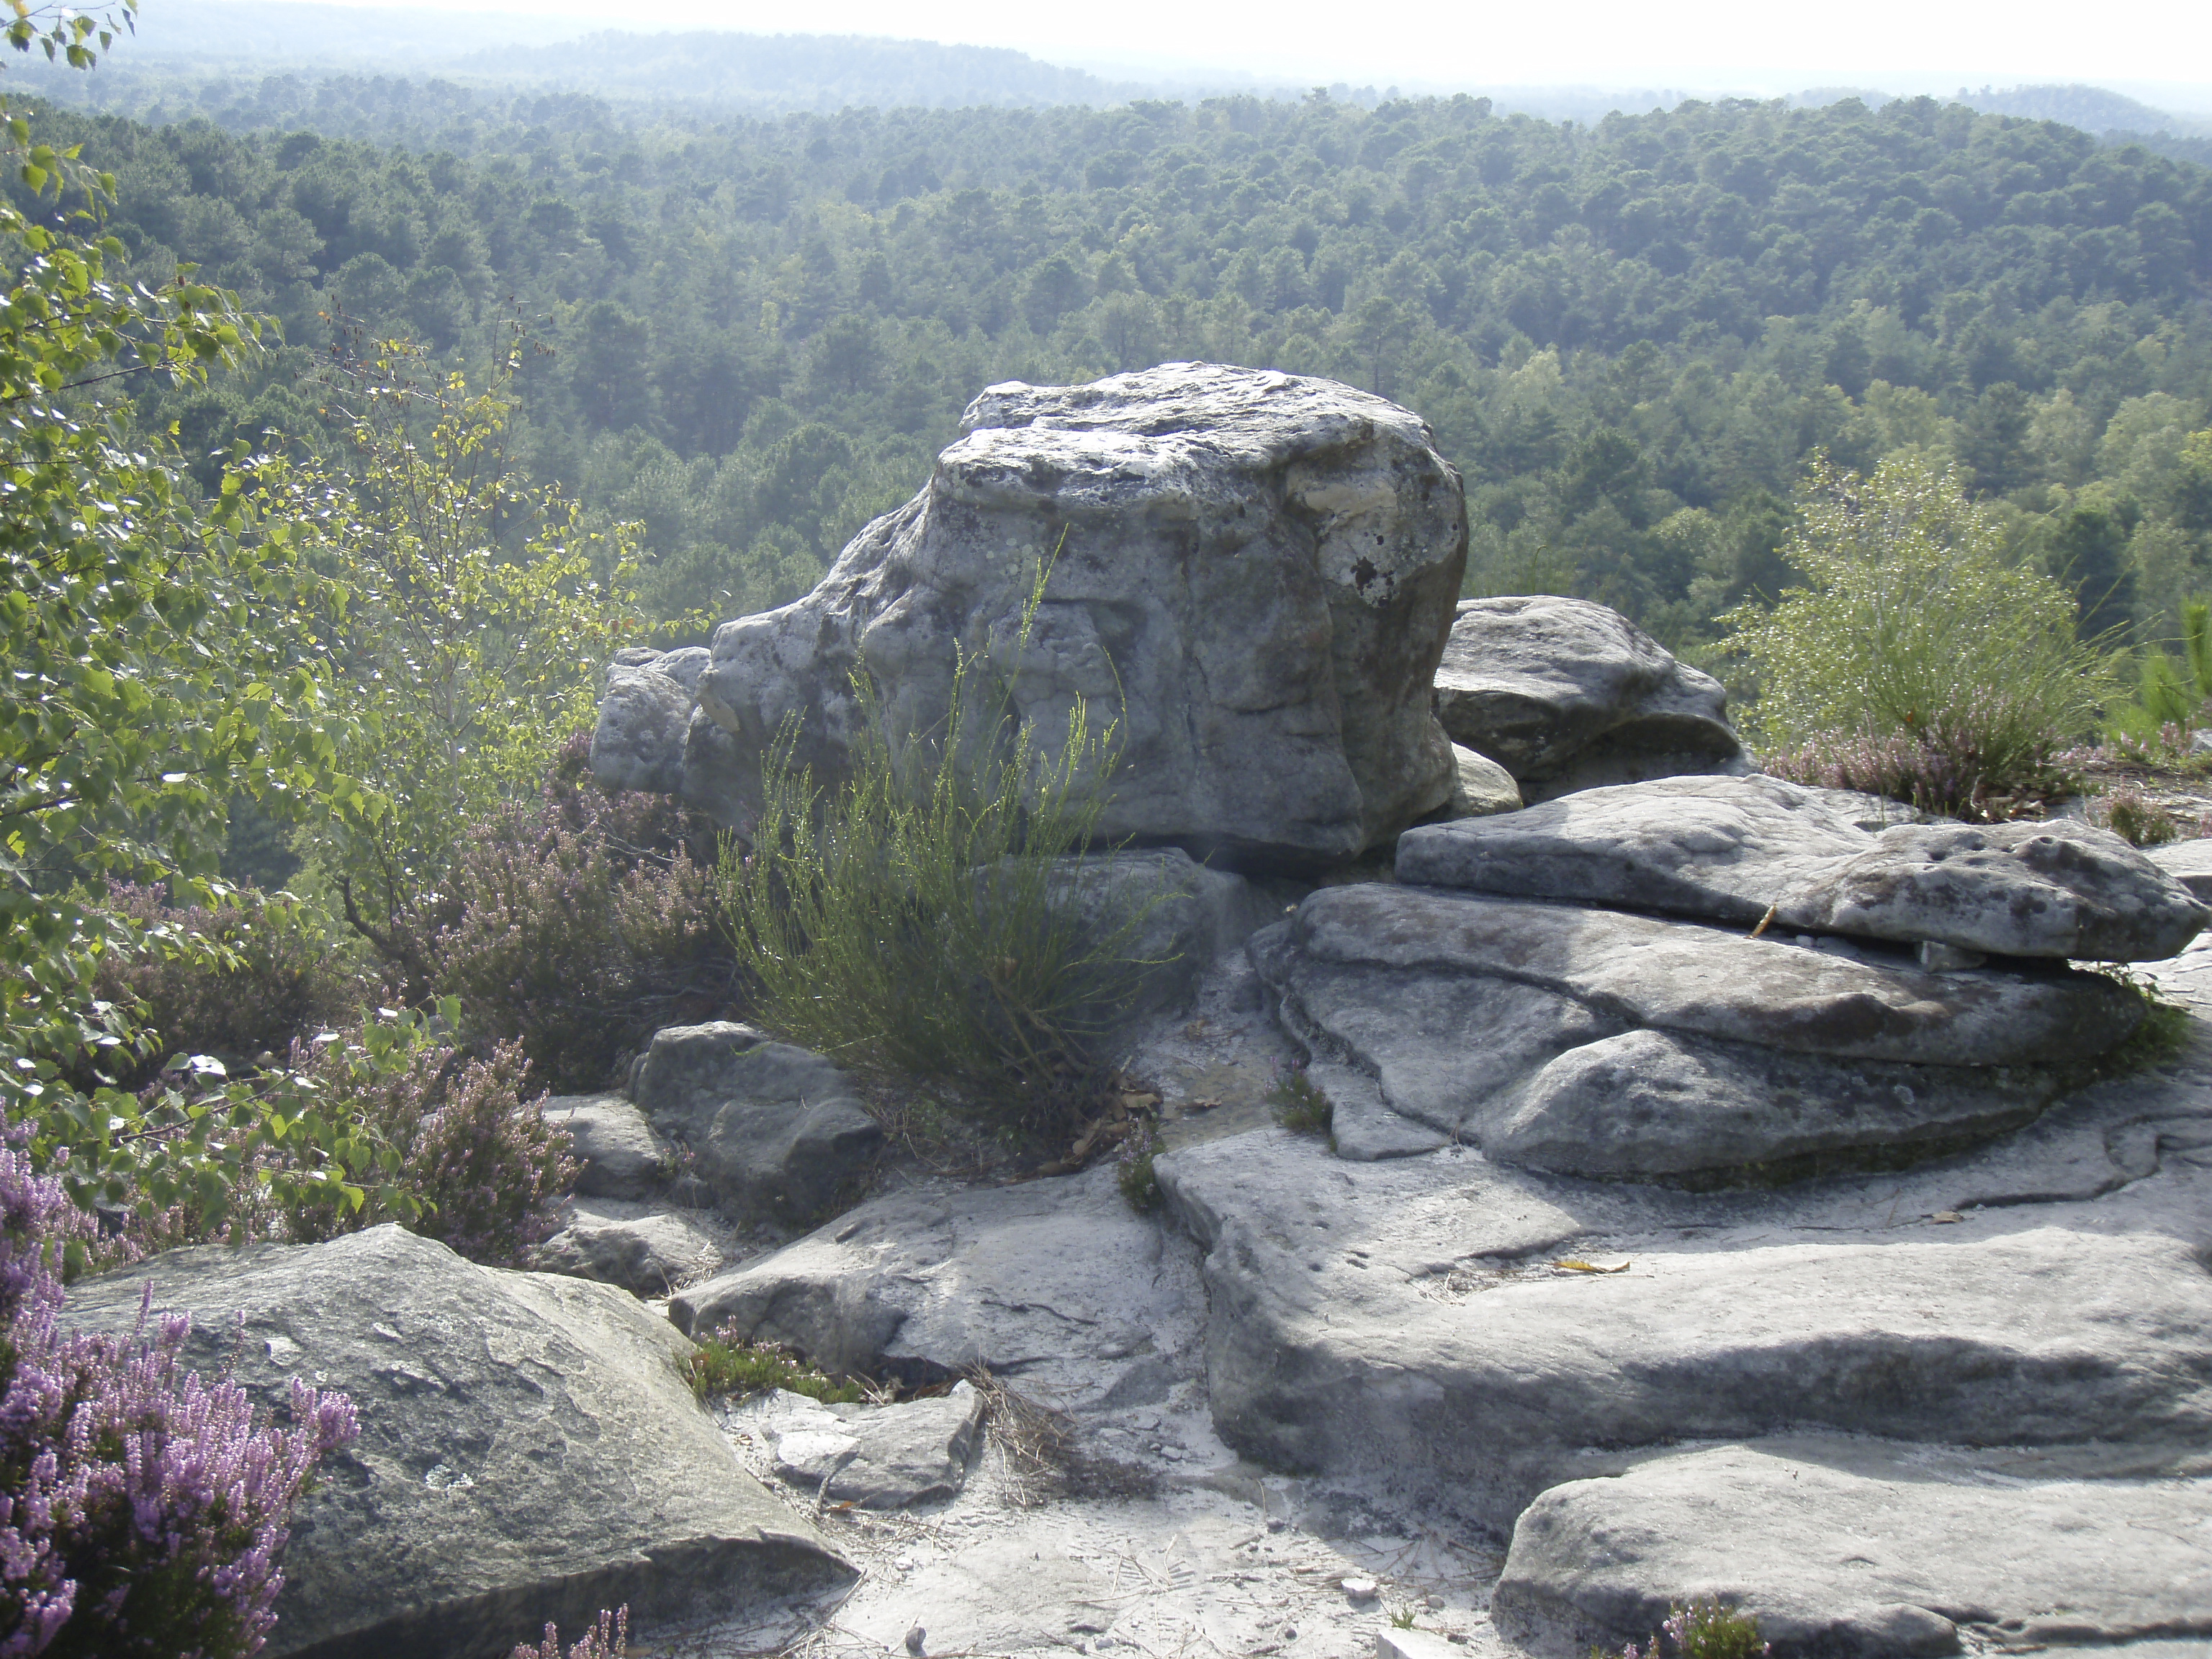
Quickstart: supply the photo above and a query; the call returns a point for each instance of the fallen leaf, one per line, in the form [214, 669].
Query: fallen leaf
[1940, 1217]
[1575, 1264]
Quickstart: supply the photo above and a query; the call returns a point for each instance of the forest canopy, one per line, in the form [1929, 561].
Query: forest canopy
[1631, 338]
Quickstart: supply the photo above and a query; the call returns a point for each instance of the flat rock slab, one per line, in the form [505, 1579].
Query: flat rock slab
[1409, 1316]
[1602, 1043]
[2189, 862]
[772, 1130]
[1055, 1282]
[647, 1255]
[873, 1457]
[619, 1154]
[529, 1448]
[1568, 695]
[1756, 849]
[1861, 1550]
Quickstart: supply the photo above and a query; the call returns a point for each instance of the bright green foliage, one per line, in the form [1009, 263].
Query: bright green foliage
[2171, 693]
[918, 921]
[148, 680]
[1912, 627]
[726, 1363]
[461, 665]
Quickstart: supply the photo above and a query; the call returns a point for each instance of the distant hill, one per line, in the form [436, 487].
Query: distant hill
[793, 71]
[2092, 109]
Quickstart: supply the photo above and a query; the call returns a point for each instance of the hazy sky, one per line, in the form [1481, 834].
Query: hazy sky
[1690, 43]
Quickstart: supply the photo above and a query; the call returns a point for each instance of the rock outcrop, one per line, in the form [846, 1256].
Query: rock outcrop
[1755, 850]
[771, 1131]
[870, 1457]
[1252, 573]
[529, 1448]
[1567, 695]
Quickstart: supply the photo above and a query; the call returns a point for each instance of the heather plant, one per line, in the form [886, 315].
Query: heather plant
[918, 923]
[1915, 656]
[608, 1639]
[465, 1158]
[1134, 1172]
[1942, 768]
[1703, 1629]
[2137, 819]
[572, 925]
[143, 1512]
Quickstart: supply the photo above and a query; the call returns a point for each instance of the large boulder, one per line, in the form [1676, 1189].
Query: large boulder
[1755, 850]
[773, 1130]
[529, 1448]
[1567, 695]
[1253, 572]
[1602, 1043]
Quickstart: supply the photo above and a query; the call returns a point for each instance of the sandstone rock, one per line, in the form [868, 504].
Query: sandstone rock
[1567, 695]
[1861, 1550]
[1055, 1282]
[773, 1130]
[873, 1457]
[2189, 862]
[1191, 915]
[486, 1494]
[1405, 1317]
[644, 716]
[619, 1154]
[1733, 848]
[1361, 1125]
[1255, 572]
[1598, 1043]
[647, 1255]
[1483, 787]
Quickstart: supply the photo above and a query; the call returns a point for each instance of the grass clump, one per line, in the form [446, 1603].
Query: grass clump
[1916, 662]
[922, 921]
[1298, 1103]
[1703, 1629]
[726, 1363]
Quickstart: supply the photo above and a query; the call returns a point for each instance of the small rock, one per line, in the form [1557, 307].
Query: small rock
[915, 1638]
[647, 1255]
[620, 1155]
[1361, 1590]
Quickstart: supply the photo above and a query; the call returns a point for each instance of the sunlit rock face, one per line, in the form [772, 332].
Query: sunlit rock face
[1252, 573]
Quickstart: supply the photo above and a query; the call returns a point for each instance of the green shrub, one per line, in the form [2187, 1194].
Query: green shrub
[917, 923]
[726, 1363]
[2171, 693]
[1133, 1172]
[1914, 653]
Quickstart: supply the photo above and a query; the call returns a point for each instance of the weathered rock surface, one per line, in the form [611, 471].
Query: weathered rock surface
[1055, 1283]
[644, 715]
[1254, 571]
[619, 1155]
[1733, 848]
[1864, 1550]
[1598, 1042]
[529, 1448]
[1188, 915]
[1405, 1317]
[873, 1457]
[647, 1255]
[1567, 695]
[1482, 787]
[772, 1130]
